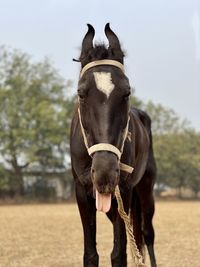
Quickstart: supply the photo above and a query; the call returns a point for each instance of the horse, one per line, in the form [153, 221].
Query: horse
[111, 144]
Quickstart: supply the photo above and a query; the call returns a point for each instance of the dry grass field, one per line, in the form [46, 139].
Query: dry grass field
[51, 236]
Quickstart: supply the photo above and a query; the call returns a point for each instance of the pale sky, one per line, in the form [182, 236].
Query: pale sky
[161, 39]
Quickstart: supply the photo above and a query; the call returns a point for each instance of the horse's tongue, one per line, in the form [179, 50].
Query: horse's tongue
[103, 202]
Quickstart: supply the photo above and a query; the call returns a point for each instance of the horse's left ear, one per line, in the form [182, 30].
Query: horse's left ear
[87, 43]
[112, 38]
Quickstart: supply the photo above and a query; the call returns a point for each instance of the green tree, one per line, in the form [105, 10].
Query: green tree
[136, 102]
[178, 157]
[191, 142]
[34, 114]
[6, 181]
[164, 120]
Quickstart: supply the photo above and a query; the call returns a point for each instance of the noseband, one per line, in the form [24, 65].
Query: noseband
[105, 146]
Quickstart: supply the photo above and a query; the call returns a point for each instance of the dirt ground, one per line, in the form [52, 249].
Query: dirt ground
[51, 236]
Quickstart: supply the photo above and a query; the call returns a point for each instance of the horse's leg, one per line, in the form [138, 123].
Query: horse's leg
[136, 217]
[118, 255]
[145, 192]
[87, 211]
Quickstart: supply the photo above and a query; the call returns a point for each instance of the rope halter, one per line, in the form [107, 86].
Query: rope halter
[105, 146]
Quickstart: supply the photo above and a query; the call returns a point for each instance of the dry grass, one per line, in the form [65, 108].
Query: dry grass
[51, 236]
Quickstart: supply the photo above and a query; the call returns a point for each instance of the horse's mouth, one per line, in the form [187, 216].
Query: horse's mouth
[103, 201]
[103, 191]
[103, 198]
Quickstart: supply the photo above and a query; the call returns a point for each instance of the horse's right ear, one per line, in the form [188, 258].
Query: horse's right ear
[87, 43]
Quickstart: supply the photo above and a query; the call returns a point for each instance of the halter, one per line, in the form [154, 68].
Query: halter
[106, 146]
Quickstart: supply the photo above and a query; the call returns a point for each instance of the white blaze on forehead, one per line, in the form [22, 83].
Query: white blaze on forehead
[104, 82]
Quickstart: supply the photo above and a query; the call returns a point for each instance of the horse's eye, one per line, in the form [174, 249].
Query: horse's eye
[126, 96]
[82, 93]
[81, 96]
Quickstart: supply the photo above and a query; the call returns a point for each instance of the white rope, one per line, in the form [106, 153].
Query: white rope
[135, 253]
[100, 63]
[104, 147]
[126, 168]
[125, 134]
[82, 130]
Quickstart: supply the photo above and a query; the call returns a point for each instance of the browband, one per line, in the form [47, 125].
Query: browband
[100, 63]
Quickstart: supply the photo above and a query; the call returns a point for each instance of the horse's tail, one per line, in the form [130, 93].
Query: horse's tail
[136, 220]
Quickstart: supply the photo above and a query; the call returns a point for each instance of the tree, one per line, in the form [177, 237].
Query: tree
[136, 102]
[6, 181]
[178, 160]
[34, 115]
[164, 120]
[192, 156]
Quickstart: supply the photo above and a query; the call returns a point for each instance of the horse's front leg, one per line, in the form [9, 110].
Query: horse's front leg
[145, 193]
[118, 255]
[87, 211]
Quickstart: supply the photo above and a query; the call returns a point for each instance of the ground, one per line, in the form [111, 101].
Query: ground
[51, 236]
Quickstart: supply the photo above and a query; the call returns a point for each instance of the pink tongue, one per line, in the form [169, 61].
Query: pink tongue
[103, 202]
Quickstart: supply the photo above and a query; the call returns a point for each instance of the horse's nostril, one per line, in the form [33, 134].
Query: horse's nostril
[92, 171]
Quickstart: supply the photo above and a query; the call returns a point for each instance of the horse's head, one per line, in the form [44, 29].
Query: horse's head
[103, 92]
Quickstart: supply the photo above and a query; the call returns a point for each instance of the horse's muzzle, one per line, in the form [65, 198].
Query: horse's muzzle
[105, 172]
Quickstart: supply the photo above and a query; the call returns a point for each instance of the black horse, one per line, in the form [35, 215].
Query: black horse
[108, 138]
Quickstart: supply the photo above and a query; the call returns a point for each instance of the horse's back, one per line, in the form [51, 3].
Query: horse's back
[143, 117]
[145, 161]
[146, 121]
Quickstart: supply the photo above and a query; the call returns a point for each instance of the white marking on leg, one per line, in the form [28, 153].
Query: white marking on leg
[104, 82]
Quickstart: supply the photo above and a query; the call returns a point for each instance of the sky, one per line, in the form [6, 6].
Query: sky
[161, 39]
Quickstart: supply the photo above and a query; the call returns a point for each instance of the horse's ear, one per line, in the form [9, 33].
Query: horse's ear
[112, 38]
[87, 43]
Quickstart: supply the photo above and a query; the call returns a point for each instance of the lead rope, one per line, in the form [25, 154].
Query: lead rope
[135, 253]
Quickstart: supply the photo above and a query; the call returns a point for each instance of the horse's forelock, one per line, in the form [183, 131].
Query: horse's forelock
[99, 52]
